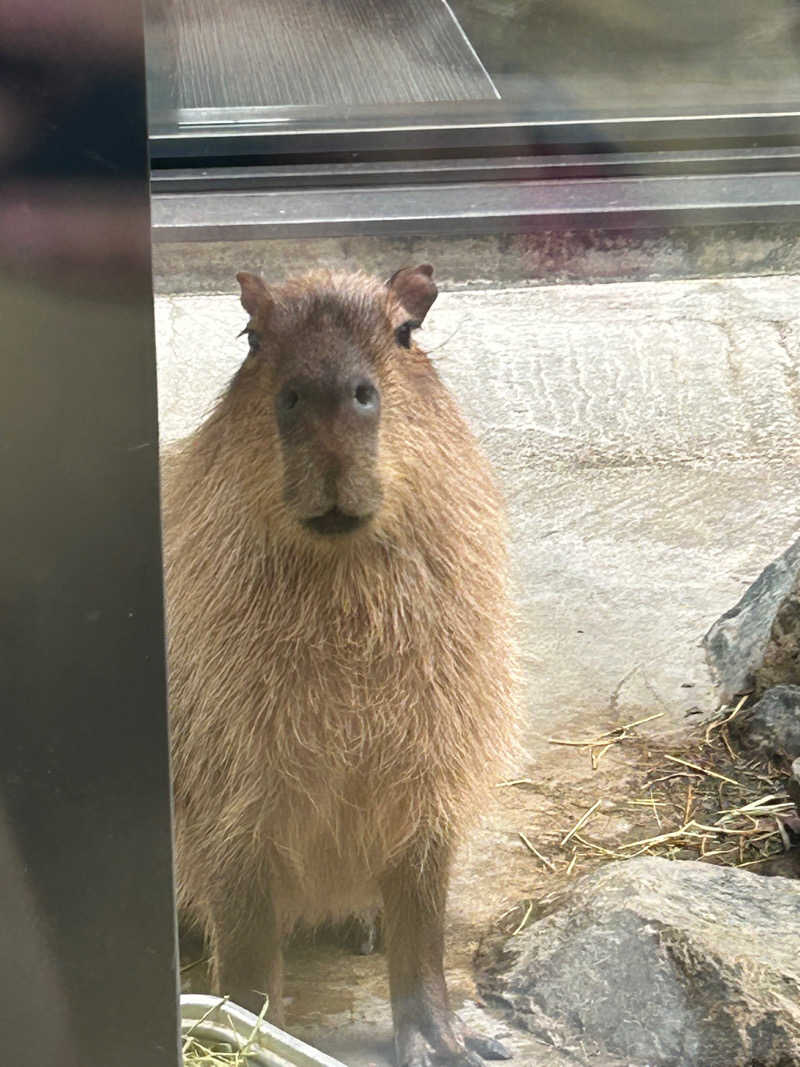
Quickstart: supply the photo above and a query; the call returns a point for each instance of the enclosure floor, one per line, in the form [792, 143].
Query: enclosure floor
[647, 438]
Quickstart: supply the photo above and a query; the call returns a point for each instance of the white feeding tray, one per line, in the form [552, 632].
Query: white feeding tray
[215, 1019]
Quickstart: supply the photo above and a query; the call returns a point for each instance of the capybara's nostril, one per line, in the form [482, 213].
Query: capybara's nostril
[366, 398]
[288, 399]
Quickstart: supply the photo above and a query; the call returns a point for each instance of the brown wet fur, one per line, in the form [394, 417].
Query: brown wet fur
[340, 704]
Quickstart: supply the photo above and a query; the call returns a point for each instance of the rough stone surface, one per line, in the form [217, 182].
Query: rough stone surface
[773, 724]
[665, 963]
[755, 644]
[781, 663]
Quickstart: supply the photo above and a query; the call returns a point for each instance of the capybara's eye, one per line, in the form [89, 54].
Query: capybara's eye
[287, 399]
[253, 340]
[403, 333]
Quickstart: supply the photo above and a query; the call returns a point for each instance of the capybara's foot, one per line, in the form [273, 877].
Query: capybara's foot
[417, 1051]
[486, 1047]
[447, 1045]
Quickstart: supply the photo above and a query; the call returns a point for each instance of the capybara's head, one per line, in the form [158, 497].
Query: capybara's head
[329, 384]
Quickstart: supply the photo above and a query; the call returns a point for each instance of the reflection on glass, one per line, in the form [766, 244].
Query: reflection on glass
[543, 58]
[625, 55]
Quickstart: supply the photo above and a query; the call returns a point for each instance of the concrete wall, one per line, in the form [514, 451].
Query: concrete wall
[495, 261]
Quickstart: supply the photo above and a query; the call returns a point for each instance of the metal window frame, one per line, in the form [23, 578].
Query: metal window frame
[478, 207]
[232, 134]
[516, 168]
[298, 176]
[407, 155]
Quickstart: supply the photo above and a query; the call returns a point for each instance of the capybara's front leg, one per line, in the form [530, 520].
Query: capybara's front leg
[248, 953]
[425, 1029]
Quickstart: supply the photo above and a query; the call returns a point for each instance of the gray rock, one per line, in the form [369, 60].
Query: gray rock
[773, 724]
[664, 963]
[781, 663]
[738, 642]
[793, 785]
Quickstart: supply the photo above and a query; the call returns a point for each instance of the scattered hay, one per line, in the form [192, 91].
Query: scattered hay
[598, 746]
[580, 823]
[534, 851]
[722, 805]
[197, 1052]
[706, 802]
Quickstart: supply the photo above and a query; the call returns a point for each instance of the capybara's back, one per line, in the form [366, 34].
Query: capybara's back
[340, 669]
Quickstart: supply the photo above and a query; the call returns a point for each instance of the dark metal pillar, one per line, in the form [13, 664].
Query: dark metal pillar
[87, 930]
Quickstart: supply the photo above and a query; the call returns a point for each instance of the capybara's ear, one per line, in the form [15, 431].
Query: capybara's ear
[255, 295]
[415, 288]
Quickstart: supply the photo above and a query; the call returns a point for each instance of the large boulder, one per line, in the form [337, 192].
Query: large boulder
[772, 726]
[756, 644]
[781, 660]
[662, 963]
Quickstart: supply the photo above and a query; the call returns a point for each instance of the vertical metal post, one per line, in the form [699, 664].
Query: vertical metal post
[87, 927]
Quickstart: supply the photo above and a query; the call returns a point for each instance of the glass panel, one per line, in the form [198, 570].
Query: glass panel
[556, 56]
[339, 668]
[364, 63]
[646, 437]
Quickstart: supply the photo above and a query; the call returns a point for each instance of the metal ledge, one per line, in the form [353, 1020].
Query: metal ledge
[477, 207]
[251, 133]
[260, 178]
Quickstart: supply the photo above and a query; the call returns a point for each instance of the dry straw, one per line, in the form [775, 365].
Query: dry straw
[202, 1053]
[710, 803]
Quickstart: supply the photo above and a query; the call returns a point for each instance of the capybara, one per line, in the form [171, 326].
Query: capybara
[341, 673]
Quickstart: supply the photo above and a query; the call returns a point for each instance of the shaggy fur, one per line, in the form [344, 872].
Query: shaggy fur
[334, 702]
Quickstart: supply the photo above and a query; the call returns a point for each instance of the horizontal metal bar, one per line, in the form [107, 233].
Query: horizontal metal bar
[477, 207]
[271, 132]
[499, 168]
[436, 112]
